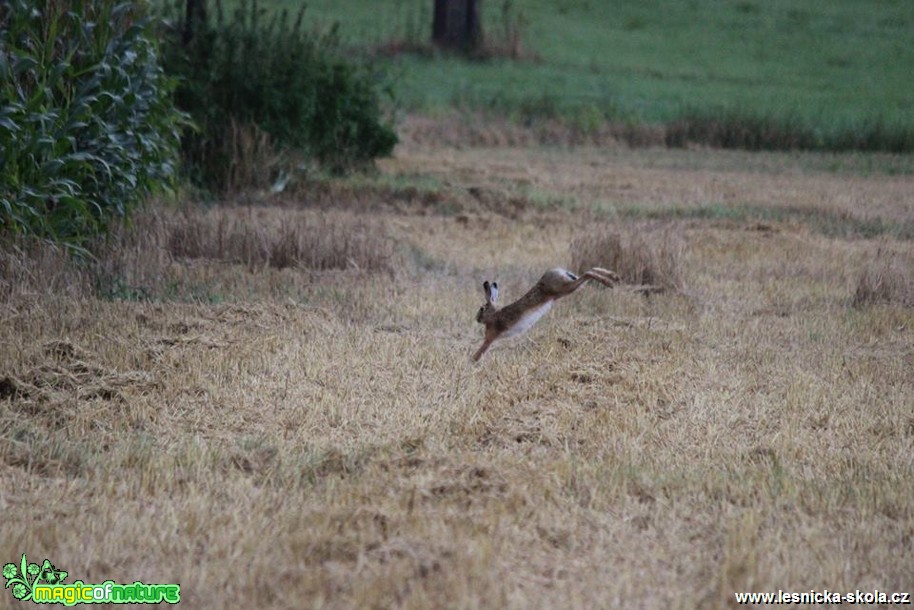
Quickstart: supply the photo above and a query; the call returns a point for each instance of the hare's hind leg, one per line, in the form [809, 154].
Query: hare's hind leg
[604, 276]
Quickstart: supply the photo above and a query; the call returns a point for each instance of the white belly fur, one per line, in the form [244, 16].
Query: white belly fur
[530, 318]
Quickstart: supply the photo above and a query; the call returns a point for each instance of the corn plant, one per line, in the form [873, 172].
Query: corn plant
[87, 126]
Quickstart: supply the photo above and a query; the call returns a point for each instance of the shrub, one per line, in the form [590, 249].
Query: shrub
[270, 75]
[87, 127]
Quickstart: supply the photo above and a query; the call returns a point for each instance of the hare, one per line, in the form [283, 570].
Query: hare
[519, 316]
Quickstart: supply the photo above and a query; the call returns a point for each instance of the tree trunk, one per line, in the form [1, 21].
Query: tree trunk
[457, 24]
[194, 15]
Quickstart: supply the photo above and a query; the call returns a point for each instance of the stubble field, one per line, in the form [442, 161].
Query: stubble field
[273, 404]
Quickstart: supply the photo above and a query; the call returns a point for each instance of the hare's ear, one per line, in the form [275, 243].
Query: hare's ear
[491, 290]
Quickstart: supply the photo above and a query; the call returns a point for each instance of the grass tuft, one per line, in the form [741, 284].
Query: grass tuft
[884, 279]
[641, 255]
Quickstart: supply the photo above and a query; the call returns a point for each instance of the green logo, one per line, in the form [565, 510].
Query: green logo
[44, 584]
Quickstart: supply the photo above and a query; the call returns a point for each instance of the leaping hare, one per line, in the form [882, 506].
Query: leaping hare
[519, 316]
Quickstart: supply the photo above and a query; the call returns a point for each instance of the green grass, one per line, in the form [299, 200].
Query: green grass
[841, 61]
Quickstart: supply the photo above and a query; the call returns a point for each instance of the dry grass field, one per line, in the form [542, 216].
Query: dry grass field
[273, 404]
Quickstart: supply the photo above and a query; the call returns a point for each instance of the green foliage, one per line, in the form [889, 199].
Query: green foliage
[87, 127]
[250, 74]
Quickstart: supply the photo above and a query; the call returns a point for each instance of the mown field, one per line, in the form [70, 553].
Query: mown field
[274, 405]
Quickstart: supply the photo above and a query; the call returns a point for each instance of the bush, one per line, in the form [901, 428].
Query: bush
[248, 75]
[87, 127]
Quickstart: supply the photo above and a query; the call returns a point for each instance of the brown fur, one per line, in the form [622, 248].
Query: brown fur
[554, 284]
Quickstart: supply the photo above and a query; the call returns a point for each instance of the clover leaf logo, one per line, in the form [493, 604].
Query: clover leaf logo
[23, 578]
[50, 574]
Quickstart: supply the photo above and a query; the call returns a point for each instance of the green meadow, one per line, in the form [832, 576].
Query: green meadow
[835, 65]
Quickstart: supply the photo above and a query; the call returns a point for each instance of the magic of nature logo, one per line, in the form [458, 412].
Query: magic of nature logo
[44, 584]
